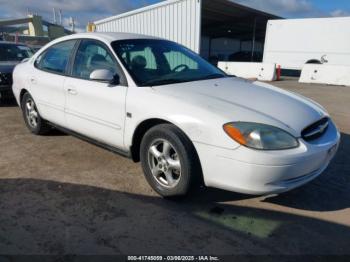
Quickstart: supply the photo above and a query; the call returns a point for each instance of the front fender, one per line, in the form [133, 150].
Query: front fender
[200, 124]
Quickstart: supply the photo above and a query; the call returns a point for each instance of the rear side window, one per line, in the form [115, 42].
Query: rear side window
[55, 59]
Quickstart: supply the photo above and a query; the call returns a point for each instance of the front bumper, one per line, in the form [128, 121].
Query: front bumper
[256, 172]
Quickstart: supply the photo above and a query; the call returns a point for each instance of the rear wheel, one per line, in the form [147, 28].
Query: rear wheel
[169, 160]
[32, 118]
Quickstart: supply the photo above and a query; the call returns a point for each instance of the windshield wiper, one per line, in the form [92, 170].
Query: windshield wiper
[213, 76]
[169, 81]
[163, 82]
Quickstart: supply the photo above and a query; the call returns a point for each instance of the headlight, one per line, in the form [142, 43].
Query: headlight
[260, 136]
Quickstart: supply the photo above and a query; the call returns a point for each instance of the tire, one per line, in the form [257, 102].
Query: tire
[169, 161]
[32, 118]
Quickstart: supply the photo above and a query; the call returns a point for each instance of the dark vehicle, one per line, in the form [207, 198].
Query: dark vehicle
[11, 54]
[35, 48]
[245, 56]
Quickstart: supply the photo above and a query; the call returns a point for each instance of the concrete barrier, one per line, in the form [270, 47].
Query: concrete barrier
[325, 74]
[260, 71]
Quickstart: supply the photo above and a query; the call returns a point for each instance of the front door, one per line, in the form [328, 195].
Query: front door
[95, 109]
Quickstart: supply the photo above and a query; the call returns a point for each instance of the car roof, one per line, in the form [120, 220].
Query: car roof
[107, 37]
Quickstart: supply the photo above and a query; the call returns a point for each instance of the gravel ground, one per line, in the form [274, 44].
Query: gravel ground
[60, 195]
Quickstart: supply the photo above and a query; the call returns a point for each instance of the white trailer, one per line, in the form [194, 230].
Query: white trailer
[211, 28]
[292, 43]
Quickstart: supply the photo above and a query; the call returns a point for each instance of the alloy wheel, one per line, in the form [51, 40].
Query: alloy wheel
[164, 163]
[31, 113]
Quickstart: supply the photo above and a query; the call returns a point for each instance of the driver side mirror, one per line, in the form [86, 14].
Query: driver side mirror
[104, 75]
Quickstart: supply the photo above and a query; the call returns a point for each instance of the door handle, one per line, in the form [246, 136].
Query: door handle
[72, 91]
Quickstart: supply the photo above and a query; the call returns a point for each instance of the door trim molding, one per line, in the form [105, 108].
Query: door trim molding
[109, 148]
[92, 119]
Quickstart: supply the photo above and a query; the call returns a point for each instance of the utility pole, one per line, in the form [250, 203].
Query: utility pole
[54, 15]
[72, 23]
[60, 16]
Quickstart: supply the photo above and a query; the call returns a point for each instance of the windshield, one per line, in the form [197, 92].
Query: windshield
[161, 62]
[11, 52]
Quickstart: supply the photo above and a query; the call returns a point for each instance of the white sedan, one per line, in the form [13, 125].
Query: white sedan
[159, 103]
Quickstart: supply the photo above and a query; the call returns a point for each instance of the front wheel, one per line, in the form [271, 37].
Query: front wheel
[169, 160]
[32, 118]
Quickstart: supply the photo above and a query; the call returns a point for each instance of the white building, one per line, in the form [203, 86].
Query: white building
[216, 29]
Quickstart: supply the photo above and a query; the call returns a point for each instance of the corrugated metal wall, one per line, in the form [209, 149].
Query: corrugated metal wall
[179, 21]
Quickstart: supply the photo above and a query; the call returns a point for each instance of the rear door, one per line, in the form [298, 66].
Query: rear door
[95, 109]
[47, 80]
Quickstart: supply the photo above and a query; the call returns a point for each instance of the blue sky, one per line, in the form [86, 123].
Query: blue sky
[90, 10]
[327, 5]
[301, 8]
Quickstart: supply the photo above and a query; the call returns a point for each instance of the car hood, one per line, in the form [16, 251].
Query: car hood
[7, 67]
[242, 100]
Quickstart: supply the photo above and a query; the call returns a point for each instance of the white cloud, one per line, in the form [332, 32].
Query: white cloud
[339, 12]
[82, 10]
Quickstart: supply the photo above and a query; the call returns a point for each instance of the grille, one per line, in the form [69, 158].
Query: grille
[315, 130]
[5, 79]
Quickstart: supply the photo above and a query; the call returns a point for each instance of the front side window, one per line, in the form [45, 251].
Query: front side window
[12, 52]
[55, 59]
[160, 62]
[92, 55]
